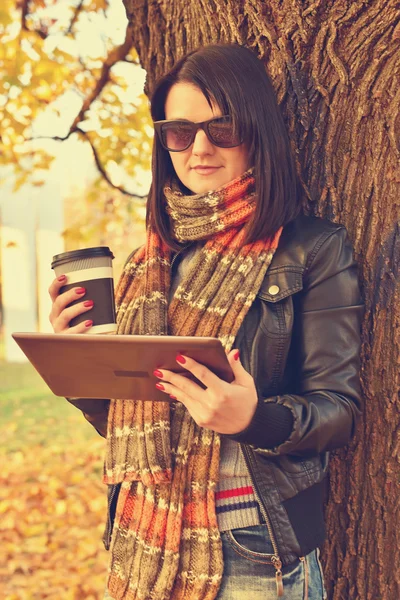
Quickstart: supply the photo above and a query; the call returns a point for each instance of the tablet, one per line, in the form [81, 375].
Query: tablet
[116, 366]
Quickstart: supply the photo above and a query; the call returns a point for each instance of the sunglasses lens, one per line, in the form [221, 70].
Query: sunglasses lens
[177, 136]
[223, 133]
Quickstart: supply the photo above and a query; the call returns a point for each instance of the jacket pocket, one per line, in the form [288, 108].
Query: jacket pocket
[296, 466]
[275, 297]
[295, 474]
[280, 283]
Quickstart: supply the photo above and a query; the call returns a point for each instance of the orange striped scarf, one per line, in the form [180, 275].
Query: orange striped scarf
[166, 544]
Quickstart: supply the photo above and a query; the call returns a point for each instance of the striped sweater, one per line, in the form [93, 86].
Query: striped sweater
[235, 502]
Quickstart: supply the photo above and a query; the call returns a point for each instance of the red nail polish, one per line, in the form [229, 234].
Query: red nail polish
[62, 278]
[80, 290]
[180, 359]
[88, 323]
[157, 373]
[236, 355]
[160, 386]
[88, 303]
[173, 397]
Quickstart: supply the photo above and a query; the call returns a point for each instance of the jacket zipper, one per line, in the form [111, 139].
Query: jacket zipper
[304, 561]
[174, 257]
[178, 253]
[275, 559]
[108, 526]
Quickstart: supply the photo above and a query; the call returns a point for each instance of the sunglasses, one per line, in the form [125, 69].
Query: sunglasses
[177, 136]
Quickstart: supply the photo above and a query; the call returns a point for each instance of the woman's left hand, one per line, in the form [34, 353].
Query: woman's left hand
[226, 408]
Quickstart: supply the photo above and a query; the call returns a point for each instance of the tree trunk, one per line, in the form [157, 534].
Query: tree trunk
[335, 65]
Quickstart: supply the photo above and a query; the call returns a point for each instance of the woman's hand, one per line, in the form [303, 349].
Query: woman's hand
[60, 316]
[226, 408]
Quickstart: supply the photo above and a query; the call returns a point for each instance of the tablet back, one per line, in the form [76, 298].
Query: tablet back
[115, 366]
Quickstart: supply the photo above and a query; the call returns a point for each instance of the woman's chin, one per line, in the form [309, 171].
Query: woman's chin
[202, 185]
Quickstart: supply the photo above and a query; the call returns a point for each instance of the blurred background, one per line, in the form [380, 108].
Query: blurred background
[75, 145]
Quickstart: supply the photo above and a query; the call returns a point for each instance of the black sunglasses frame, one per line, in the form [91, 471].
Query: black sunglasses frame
[204, 125]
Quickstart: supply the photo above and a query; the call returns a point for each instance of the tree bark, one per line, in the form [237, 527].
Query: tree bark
[335, 65]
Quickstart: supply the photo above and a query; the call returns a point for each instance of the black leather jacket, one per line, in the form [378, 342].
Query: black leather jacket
[301, 342]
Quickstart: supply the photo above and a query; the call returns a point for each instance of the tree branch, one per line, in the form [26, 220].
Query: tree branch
[117, 54]
[24, 13]
[102, 170]
[43, 32]
[56, 138]
[75, 17]
[96, 157]
[24, 4]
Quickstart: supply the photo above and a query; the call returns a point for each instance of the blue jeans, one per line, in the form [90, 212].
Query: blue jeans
[248, 570]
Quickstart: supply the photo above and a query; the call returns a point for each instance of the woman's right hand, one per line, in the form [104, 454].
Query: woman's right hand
[61, 314]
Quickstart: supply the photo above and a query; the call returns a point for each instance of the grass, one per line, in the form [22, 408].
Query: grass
[30, 414]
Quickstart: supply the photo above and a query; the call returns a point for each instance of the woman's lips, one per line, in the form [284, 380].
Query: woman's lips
[206, 170]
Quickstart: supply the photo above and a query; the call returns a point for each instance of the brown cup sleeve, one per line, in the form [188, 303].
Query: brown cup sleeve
[101, 291]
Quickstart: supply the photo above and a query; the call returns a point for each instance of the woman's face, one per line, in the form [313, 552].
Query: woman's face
[186, 101]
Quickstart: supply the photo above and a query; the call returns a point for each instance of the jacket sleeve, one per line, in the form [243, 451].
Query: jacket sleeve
[94, 411]
[322, 412]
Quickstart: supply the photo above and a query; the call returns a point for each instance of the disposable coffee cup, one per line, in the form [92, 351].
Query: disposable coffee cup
[90, 268]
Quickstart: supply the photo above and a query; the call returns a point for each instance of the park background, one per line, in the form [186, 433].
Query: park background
[54, 196]
[74, 168]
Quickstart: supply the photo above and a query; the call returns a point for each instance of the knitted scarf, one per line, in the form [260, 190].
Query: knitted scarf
[166, 544]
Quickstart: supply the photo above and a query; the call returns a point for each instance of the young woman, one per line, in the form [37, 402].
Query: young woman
[217, 493]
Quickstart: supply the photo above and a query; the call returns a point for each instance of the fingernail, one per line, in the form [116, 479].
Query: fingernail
[180, 359]
[160, 386]
[88, 323]
[173, 397]
[157, 373]
[88, 303]
[236, 355]
[62, 278]
[80, 290]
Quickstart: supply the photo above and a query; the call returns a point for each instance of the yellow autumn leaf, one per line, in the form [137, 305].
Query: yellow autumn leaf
[4, 506]
[61, 507]
[37, 544]
[43, 92]
[36, 73]
[34, 530]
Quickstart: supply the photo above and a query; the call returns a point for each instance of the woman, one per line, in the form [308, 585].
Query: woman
[217, 493]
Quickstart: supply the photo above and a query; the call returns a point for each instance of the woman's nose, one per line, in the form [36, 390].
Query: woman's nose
[201, 144]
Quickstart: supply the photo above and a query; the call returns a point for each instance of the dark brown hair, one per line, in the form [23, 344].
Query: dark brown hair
[236, 80]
